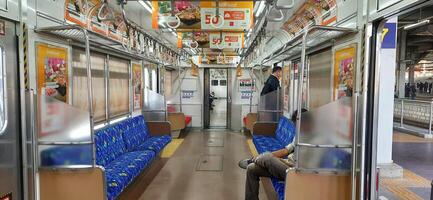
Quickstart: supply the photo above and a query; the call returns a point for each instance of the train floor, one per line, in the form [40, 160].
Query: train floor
[415, 155]
[204, 166]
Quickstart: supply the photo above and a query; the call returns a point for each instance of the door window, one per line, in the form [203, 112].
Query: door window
[3, 113]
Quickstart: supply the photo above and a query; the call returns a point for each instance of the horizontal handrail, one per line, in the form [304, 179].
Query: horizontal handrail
[65, 143]
[320, 171]
[271, 111]
[340, 146]
[154, 111]
[412, 100]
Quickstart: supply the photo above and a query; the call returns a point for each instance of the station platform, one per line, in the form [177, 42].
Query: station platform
[415, 155]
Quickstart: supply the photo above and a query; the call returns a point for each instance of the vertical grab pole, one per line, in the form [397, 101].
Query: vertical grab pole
[90, 94]
[34, 145]
[180, 89]
[430, 118]
[401, 114]
[301, 80]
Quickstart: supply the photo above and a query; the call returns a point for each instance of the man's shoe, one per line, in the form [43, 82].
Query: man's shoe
[245, 162]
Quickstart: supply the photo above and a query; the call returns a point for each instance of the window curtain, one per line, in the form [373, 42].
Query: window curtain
[79, 83]
[119, 86]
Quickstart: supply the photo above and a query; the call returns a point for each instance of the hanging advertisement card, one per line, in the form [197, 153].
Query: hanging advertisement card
[137, 83]
[177, 14]
[230, 40]
[52, 67]
[328, 10]
[344, 63]
[184, 15]
[76, 12]
[94, 24]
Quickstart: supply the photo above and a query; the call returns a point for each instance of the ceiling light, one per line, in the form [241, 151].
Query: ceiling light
[146, 6]
[416, 25]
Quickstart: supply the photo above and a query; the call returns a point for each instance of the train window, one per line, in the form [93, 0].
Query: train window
[79, 88]
[214, 82]
[146, 78]
[3, 111]
[154, 80]
[223, 82]
[119, 87]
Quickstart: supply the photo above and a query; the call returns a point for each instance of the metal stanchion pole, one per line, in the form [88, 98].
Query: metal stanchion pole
[401, 114]
[430, 118]
[431, 191]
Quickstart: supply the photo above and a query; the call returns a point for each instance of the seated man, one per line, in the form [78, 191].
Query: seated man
[269, 164]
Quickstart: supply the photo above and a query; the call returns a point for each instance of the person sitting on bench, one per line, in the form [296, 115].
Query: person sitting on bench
[269, 164]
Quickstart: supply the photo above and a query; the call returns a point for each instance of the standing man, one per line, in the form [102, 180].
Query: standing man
[273, 82]
[269, 101]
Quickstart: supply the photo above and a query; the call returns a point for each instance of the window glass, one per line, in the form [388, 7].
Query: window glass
[79, 83]
[3, 113]
[146, 78]
[214, 82]
[223, 82]
[154, 80]
[119, 86]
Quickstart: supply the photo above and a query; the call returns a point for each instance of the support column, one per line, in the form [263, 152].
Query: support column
[402, 70]
[388, 65]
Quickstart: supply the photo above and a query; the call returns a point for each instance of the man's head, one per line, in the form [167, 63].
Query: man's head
[277, 71]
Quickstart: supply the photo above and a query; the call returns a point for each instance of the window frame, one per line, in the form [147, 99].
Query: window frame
[5, 99]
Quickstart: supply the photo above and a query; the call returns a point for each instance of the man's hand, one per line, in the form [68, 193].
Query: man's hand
[281, 153]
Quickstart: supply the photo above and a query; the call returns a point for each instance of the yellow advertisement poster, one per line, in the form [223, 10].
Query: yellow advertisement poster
[344, 64]
[137, 83]
[52, 69]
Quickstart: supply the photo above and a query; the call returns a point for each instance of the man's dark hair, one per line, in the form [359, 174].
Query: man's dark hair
[295, 114]
[276, 68]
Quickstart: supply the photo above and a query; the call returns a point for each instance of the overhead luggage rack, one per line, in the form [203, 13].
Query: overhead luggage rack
[84, 36]
[312, 37]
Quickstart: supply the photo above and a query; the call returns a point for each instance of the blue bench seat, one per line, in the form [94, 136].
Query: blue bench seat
[269, 142]
[123, 150]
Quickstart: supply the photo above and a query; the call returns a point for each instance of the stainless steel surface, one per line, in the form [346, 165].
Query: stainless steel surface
[300, 96]
[154, 108]
[10, 162]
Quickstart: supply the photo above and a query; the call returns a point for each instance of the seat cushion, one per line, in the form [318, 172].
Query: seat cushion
[265, 143]
[285, 131]
[124, 169]
[135, 132]
[109, 144]
[279, 188]
[187, 119]
[156, 143]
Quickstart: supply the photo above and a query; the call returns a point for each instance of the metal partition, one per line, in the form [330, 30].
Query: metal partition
[325, 137]
[154, 107]
[63, 133]
[270, 107]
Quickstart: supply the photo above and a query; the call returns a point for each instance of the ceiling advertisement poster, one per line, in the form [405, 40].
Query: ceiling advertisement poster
[195, 15]
[85, 14]
[214, 40]
[313, 12]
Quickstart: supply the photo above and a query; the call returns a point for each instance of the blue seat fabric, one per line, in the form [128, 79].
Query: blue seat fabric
[284, 135]
[125, 149]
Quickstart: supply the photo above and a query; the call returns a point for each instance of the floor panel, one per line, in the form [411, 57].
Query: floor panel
[178, 179]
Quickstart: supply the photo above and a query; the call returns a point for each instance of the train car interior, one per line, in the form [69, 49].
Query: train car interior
[216, 99]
